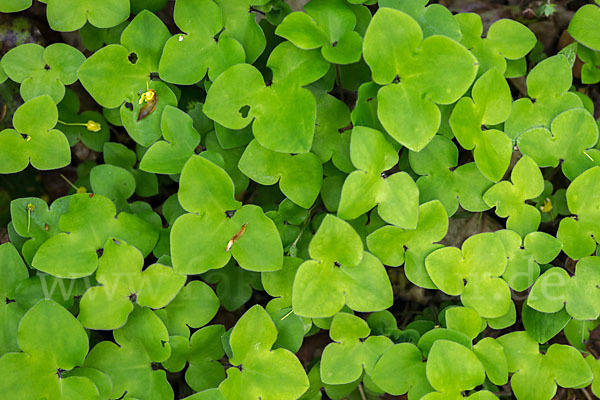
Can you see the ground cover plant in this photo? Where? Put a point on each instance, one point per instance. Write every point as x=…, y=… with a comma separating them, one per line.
x=324, y=199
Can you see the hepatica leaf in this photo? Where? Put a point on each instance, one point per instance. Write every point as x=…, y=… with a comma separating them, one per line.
x=571, y=133
x=505, y=40
x=408, y=66
x=34, y=139
x=10, y=6
x=14, y=271
x=433, y=19
x=300, y=176
x=396, y=196
x=490, y=105
x=535, y=376
x=240, y=24
x=331, y=142
x=352, y=352
x=204, y=238
x=283, y=112
x=525, y=255
x=68, y=111
x=582, y=26
x=481, y=263
x=509, y=198
x=123, y=284
x=52, y=340
x=256, y=378
x=42, y=71
x=579, y=294
x=328, y=25
x=181, y=139
x=117, y=71
x=395, y=246
x=144, y=340
x=86, y=226
x=452, y=367
x=70, y=15
x=548, y=84
x=188, y=56
x=580, y=234
x=344, y=273
x=400, y=370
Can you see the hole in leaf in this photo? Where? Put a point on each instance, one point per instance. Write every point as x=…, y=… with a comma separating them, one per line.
x=334, y=44
x=396, y=79
x=268, y=83
x=99, y=252
x=370, y=99
x=59, y=372
x=153, y=76
x=483, y=127
x=8, y=301
x=129, y=106
x=293, y=154
x=244, y=111
x=133, y=297
x=133, y=58
x=24, y=136
x=337, y=264
x=155, y=366
x=46, y=67
x=230, y=213
x=464, y=281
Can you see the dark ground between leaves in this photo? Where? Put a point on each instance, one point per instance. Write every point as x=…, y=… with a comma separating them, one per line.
x=31, y=26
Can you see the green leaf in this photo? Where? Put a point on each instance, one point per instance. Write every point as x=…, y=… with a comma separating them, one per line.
x=396, y=196
x=181, y=139
x=13, y=271
x=433, y=19
x=441, y=180
x=109, y=75
x=283, y=112
x=327, y=25
x=525, y=255
x=509, y=198
x=194, y=306
x=278, y=284
x=344, y=360
x=481, y=263
x=438, y=60
x=465, y=320
x=258, y=246
x=234, y=285
x=543, y=326
x=570, y=135
x=10, y=6
x=90, y=221
x=579, y=235
x=34, y=139
x=490, y=105
x=452, y=367
x=187, y=57
x=582, y=26
x=143, y=341
x=491, y=355
x=240, y=24
x=506, y=40
x=578, y=294
x=393, y=245
x=257, y=378
x=400, y=370
x=536, y=375
x=50, y=332
x=345, y=274
x=70, y=15
x=43, y=71
x=548, y=83
x=300, y=176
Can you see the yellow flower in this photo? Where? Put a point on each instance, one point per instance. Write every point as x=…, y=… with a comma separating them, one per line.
x=547, y=207
x=93, y=126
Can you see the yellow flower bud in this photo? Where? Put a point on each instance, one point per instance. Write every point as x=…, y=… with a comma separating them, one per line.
x=547, y=207
x=93, y=126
